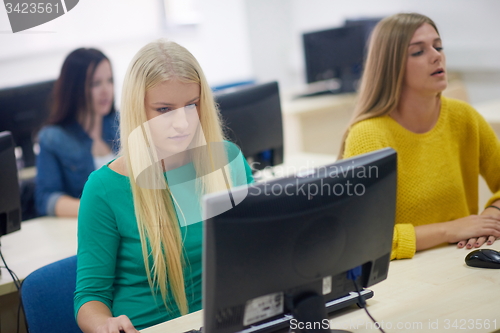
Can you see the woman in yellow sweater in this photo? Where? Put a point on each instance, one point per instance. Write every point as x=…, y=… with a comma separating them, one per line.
x=443, y=145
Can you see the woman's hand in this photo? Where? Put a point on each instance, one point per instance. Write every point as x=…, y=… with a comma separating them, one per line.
x=95, y=317
x=117, y=325
x=457, y=231
x=479, y=241
x=474, y=230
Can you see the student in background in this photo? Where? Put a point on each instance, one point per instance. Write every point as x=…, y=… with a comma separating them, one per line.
x=80, y=134
x=443, y=145
x=139, y=225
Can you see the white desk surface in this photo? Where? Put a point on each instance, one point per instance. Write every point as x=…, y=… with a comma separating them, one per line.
x=433, y=292
x=40, y=242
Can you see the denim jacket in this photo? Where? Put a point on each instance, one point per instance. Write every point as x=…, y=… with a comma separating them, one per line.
x=65, y=161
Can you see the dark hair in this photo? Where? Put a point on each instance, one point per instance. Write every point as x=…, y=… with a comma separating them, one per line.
x=71, y=94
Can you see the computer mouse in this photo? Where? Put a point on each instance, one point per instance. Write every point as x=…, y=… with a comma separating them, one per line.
x=483, y=258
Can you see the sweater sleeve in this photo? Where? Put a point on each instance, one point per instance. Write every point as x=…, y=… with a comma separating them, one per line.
x=364, y=138
x=98, y=241
x=489, y=158
x=404, y=242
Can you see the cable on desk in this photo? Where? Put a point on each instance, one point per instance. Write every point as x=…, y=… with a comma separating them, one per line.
x=362, y=303
x=353, y=275
x=17, y=283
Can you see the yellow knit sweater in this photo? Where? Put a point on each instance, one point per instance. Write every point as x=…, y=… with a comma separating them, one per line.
x=438, y=171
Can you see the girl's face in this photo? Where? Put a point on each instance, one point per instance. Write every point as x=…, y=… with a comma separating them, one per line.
x=101, y=88
x=172, y=113
x=425, y=67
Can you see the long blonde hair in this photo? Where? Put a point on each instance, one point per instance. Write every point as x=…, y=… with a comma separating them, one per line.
x=157, y=221
x=384, y=68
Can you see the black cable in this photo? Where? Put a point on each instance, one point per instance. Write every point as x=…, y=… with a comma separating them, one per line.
x=362, y=303
x=17, y=283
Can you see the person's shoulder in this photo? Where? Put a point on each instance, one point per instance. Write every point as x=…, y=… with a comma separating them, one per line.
x=372, y=127
x=368, y=135
x=104, y=180
x=459, y=110
x=231, y=147
x=97, y=177
x=112, y=118
x=60, y=134
x=456, y=106
x=51, y=133
x=456, y=103
x=118, y=166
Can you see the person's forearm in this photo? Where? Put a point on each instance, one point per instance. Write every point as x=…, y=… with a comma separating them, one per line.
x=492, y=210
x=430, y=235
x=67, y=206
x=92, y=315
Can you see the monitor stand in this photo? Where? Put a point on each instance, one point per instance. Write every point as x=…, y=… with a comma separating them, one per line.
x=310, y=315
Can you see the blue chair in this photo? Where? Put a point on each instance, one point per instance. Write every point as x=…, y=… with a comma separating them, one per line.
x=47, y=298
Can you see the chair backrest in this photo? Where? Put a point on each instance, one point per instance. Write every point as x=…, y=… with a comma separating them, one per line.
x=47, y=298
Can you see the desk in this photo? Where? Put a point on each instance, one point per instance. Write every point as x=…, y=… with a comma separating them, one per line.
x=426, y=293
x=40, y=242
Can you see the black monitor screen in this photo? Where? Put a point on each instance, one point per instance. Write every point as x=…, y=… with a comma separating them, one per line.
x=23, y=110
x=367, y=23
x=295, y=237
x=10, y=202
x=335, y=54
x=252, y=120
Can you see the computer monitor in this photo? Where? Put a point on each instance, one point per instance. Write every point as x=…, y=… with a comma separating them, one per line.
x=10, y=199
x=23, y=110
x=252, y=120
x=292, y=243
x=367, y=23
x=335, y=54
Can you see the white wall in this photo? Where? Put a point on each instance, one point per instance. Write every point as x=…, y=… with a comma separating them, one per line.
x=244, y=39
x=120, y=28
x=470, y=31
